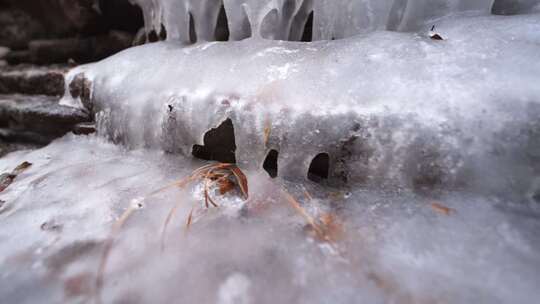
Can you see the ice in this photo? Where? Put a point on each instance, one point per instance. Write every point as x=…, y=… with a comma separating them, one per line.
x=433, y=150
x=395, y=247
x=286, y=19
x=389, y=108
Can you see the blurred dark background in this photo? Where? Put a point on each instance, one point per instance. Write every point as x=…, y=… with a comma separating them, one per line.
x=55, y=31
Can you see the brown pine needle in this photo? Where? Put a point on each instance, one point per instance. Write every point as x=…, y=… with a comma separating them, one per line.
x=107, y=250
x=189, y=219
x=311, y=221
x=267, y=131
x=166, y=224
x=242, y=180
x=440, y=208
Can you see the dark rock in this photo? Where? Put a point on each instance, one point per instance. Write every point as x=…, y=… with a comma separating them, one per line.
x=27, y=79
x=17, y=28
x=6, y=179
x=15, y=140
x=79, y=49
x=121, y=15
x=83, y=15
x=61, y=18
x=18, y=57
x=40, y=114
x=3, y=52
x=84, y=128
x=80, y=87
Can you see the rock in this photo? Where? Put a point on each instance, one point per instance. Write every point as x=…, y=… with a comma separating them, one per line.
x=29, y=79
x=83, y=15
x=121, y=15
x=80, y=87
x=3, y=51
x=40, y=114
x=18, y=57
x=14, y=140
x=84, y=128
x=79, y=49
x=65, y=18
x=17, y=28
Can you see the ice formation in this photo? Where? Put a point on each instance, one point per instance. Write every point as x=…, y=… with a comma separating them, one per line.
x=286, y=19
x=387, y=107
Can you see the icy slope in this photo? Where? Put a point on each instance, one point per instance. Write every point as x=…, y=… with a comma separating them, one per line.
x=388, y=108
x=394, y=247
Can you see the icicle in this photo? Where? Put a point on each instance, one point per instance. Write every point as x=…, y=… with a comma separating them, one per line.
x=417, y=12
x=286, y=19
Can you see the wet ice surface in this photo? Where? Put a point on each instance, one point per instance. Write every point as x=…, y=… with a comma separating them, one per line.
x=395, y=246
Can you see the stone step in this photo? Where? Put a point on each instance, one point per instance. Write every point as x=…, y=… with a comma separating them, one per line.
x=32, y=80
x=39, y=114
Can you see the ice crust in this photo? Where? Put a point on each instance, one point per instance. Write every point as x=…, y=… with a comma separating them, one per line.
x=389, y=108
x=395, y=249
x=286, y=19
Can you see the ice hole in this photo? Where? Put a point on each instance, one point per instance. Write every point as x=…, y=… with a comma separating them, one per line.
x=307, y=35
x=319, y=168
x=271, y=163
x=219, y=144
x=222, y=32
x=163, y=33
x=192, y=32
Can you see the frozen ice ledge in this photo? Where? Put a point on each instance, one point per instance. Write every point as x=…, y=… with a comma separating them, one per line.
x=384, y=109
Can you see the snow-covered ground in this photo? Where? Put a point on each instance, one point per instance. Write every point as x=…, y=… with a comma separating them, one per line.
x=393, y=246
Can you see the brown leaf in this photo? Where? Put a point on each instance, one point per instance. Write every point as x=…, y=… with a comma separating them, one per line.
x=225, y=186
x=441, y=209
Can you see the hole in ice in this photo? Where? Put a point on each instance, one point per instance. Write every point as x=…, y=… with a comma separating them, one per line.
x=307, y=35
x=192, y=32
x=270, y=164
x=219, y=144
x=153, y=36
x=319, y=168
x=163, y=33
x=222, y=28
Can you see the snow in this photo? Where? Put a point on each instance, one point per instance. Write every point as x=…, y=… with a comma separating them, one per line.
x=395, y=246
